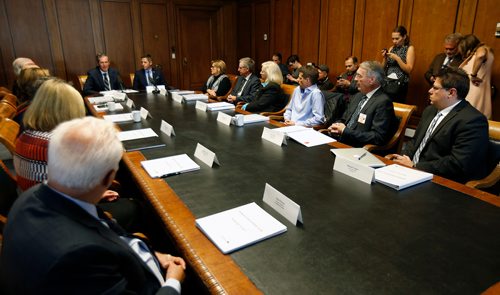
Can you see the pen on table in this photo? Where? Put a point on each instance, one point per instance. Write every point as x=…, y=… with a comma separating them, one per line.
x=360, y=157
x=170, y=174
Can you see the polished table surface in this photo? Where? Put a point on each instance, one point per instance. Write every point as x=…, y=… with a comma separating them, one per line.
x=356, y=238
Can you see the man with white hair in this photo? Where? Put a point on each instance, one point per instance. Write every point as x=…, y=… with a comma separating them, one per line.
x=18, y=65
x=57, y=241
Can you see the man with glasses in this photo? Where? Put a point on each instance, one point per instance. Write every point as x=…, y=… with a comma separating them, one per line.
x=450, y=57
x=451, y=139
x=247, y=85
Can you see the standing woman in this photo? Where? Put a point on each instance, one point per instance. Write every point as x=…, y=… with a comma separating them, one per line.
x=478, y=61
x=218, y=83
x=398, y=62
x=270, y=97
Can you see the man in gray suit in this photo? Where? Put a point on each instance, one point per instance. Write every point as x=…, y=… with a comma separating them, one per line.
x=248, y=83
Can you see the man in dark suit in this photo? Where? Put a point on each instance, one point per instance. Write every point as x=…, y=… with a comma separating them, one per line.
x=247, y=85
x=451, y=139
x=57, y=241
x=369, y=118
x=148, y=76
x=102, y=78
x=450, y=57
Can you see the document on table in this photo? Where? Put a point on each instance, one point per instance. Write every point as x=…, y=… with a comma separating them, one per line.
x=400, y=177
x=239, y=227
x=290, y=129
x=100, y=99
x=168, y=166
x=310, y=137
x=118, y=118
x=103, y=107
x=254, y=118
x=218, y=106
x=359, y=155
x=194, y=96
x=136, y=134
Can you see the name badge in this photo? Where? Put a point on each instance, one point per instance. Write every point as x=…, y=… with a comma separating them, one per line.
x=362, y=118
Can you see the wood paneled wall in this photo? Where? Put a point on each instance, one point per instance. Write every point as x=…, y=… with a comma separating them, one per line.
x=327, y=31
x=64, y=36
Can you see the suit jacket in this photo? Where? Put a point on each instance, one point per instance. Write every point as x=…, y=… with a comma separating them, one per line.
x=380, y=122
x=140, y=80
x=268, y=99
x=437, y=63
x=458, y=146
x=53, y=246
x=325, y=84
x=251, y=87
x=95, y=82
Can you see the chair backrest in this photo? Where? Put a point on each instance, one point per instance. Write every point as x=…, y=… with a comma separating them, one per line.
x=82, y=79
x=7, y=109
x=403, y=113
x=132, y=77
x=8, y=134
x=287, y=93
x=494, y=130
x=334, y=106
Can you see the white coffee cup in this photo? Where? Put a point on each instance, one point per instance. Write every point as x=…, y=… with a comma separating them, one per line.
x=136, y=116
x=111, y=106
x=239, y=120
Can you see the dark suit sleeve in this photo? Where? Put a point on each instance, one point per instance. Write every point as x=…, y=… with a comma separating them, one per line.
x=380, y=129
x=92, y=270
x=432, y=69
x=250, y=90
x=115, y=79
x=469, y=141
x=91, y=85
x=224, y=87
x=161, y=79
x=265, y=98
x=137, y=85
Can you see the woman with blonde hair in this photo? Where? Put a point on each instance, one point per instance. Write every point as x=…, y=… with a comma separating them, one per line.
x=218, y=83
x=27, y=83
x=270, y=97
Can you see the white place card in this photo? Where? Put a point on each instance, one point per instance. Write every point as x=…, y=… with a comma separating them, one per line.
x=205, y=155
x=163, y=92
x=144, y=113
x=282, y=204
x=354, y=169
x=200, y=105
x=224, y=118
x=150, y=89
x=167, y=128
x=177, y=97
x=129, y=103
x=278, y=138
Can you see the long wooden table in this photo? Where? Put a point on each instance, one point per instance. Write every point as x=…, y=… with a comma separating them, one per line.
x=434, y=238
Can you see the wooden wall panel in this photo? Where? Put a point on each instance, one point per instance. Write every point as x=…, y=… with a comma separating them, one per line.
x=118, y=37
x=28, y=25
x=261, y=27
x=78, y=53
x=380, y=19
x=281, y=27
x=309, y=27
x=430, y=23
x=339, y=34
x=245, y=31
x=154, y=28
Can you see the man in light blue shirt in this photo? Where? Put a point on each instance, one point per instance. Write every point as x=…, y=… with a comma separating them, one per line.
x=306, y=107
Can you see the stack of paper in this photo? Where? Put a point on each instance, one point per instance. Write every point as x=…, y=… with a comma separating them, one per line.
x=236, y=228
x=103, y=107
x=118, y=118
x=169, y=166
x=100, y=99
x=140, y=139
x=194, y=96
x=218, y=106
x=359, y=155
x=177, y=95
x=254, y=118
x=399, y=177
x=310, y=137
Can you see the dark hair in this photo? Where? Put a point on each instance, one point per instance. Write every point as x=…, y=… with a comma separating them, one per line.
x=278, y=54
x=452, y=77
x=354, y=59
x=309, y=72
x=402, y=31
x=468, y=44
x=99, y=55
x=148, y=56
x=292, y=58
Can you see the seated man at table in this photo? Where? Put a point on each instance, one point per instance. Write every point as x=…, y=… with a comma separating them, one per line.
x=247, y=85
x=148, y=76
x=57, y=241
x=306, y=107
x=369, y=118
x=451, y=139
x=102, y=78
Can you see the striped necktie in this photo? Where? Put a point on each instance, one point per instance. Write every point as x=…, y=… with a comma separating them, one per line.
x=416, y=156
x=106, y=81
x=354, y=117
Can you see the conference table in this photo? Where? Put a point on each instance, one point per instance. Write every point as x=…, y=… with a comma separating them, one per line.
x=438, y=237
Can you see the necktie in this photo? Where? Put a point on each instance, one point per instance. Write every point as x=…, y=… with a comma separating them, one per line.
x=242, y=85
x=447, y=62
x=416, y=156
x=354, y=117
x=106, y=81
x=150, y=78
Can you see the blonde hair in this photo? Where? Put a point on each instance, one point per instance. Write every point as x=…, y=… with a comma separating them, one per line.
x=273, y=72
x=28, y=82
x=54, y=102
x=219, y=64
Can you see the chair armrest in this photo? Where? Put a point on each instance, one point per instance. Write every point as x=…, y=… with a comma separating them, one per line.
x=486, y=182
x=370, y=147
x=276, y=118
